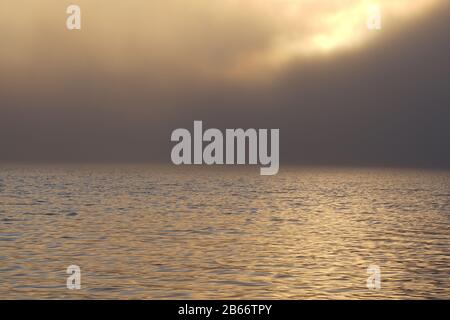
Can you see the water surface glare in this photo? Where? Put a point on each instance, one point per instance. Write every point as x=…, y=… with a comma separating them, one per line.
x=193, y=233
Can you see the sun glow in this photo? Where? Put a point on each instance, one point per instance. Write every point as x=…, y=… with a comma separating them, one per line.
x=175, y=39
x=311, y=28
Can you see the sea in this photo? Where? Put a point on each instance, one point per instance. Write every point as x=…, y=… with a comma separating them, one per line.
x=167, y=232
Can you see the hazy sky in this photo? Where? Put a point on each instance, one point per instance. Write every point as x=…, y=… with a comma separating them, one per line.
x=137, y=70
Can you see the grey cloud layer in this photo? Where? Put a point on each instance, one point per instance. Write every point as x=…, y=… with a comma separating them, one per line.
x=387, y=103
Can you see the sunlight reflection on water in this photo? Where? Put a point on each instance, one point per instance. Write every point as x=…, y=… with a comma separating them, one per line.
x=192, y=233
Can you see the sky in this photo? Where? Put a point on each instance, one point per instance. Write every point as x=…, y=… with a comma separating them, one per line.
x=137, y=70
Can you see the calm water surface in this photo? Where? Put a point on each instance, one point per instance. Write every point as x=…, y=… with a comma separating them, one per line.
x=162, y=232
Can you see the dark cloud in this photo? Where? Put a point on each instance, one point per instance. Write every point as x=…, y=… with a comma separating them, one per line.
x=385, y=104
